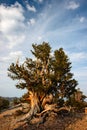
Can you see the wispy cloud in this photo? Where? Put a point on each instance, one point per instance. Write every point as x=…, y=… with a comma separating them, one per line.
x=15, y=40
x=73, y=5
x=31, y=21
x=11, y=56
x=40, y=1
x=82, y=19
x=31, y=8
x=77, y=56
x=81, y=72
x=39, y=38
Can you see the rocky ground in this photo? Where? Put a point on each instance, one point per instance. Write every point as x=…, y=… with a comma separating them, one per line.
x=74, y=121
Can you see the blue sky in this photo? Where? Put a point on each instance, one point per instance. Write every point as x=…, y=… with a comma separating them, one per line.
x=62, y=23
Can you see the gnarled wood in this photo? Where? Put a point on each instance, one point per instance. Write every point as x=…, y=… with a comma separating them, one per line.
x=34, y=106
x=47, y=100
x=64, y=108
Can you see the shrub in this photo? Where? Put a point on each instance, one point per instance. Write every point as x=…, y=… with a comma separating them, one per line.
x=16, y=101
x=4, y=103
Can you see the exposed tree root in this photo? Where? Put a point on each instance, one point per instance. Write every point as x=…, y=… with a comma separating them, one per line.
x=47, y=108
x=34, y=116
x=37, y=118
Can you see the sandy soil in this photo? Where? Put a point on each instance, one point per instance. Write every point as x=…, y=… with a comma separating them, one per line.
x=76, y=121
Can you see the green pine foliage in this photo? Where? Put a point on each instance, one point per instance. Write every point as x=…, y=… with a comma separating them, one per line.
x=47, y=73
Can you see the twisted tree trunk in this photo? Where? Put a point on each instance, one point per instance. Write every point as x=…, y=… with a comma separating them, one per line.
x=34, y=106
x=35, y=115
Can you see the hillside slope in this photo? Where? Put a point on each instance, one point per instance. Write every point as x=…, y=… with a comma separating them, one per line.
x=77, y=121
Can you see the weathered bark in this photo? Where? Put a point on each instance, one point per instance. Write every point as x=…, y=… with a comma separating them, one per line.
x=34, y=106
x=47, y=107
x=51, y=107
x=64, y=108
x=47, y=100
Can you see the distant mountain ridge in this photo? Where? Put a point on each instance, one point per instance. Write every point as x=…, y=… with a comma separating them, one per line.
x=10, y=99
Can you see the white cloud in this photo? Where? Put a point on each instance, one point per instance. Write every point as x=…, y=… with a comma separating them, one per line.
x=15, y=54
x=11, y=25
x=9, y=41
x=10, y=17
x=40, y=38
x=78, y=56
x=73, y=5
x=82, y=19
x=31, y=21
x=31, y=8
x=11, y=56
x=40, y=0
x=81, y=72
x=15, y=40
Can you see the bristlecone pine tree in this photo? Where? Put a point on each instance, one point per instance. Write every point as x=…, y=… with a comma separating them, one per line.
x=47, y=78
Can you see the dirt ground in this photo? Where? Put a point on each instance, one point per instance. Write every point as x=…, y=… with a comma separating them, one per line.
x=75, y=121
